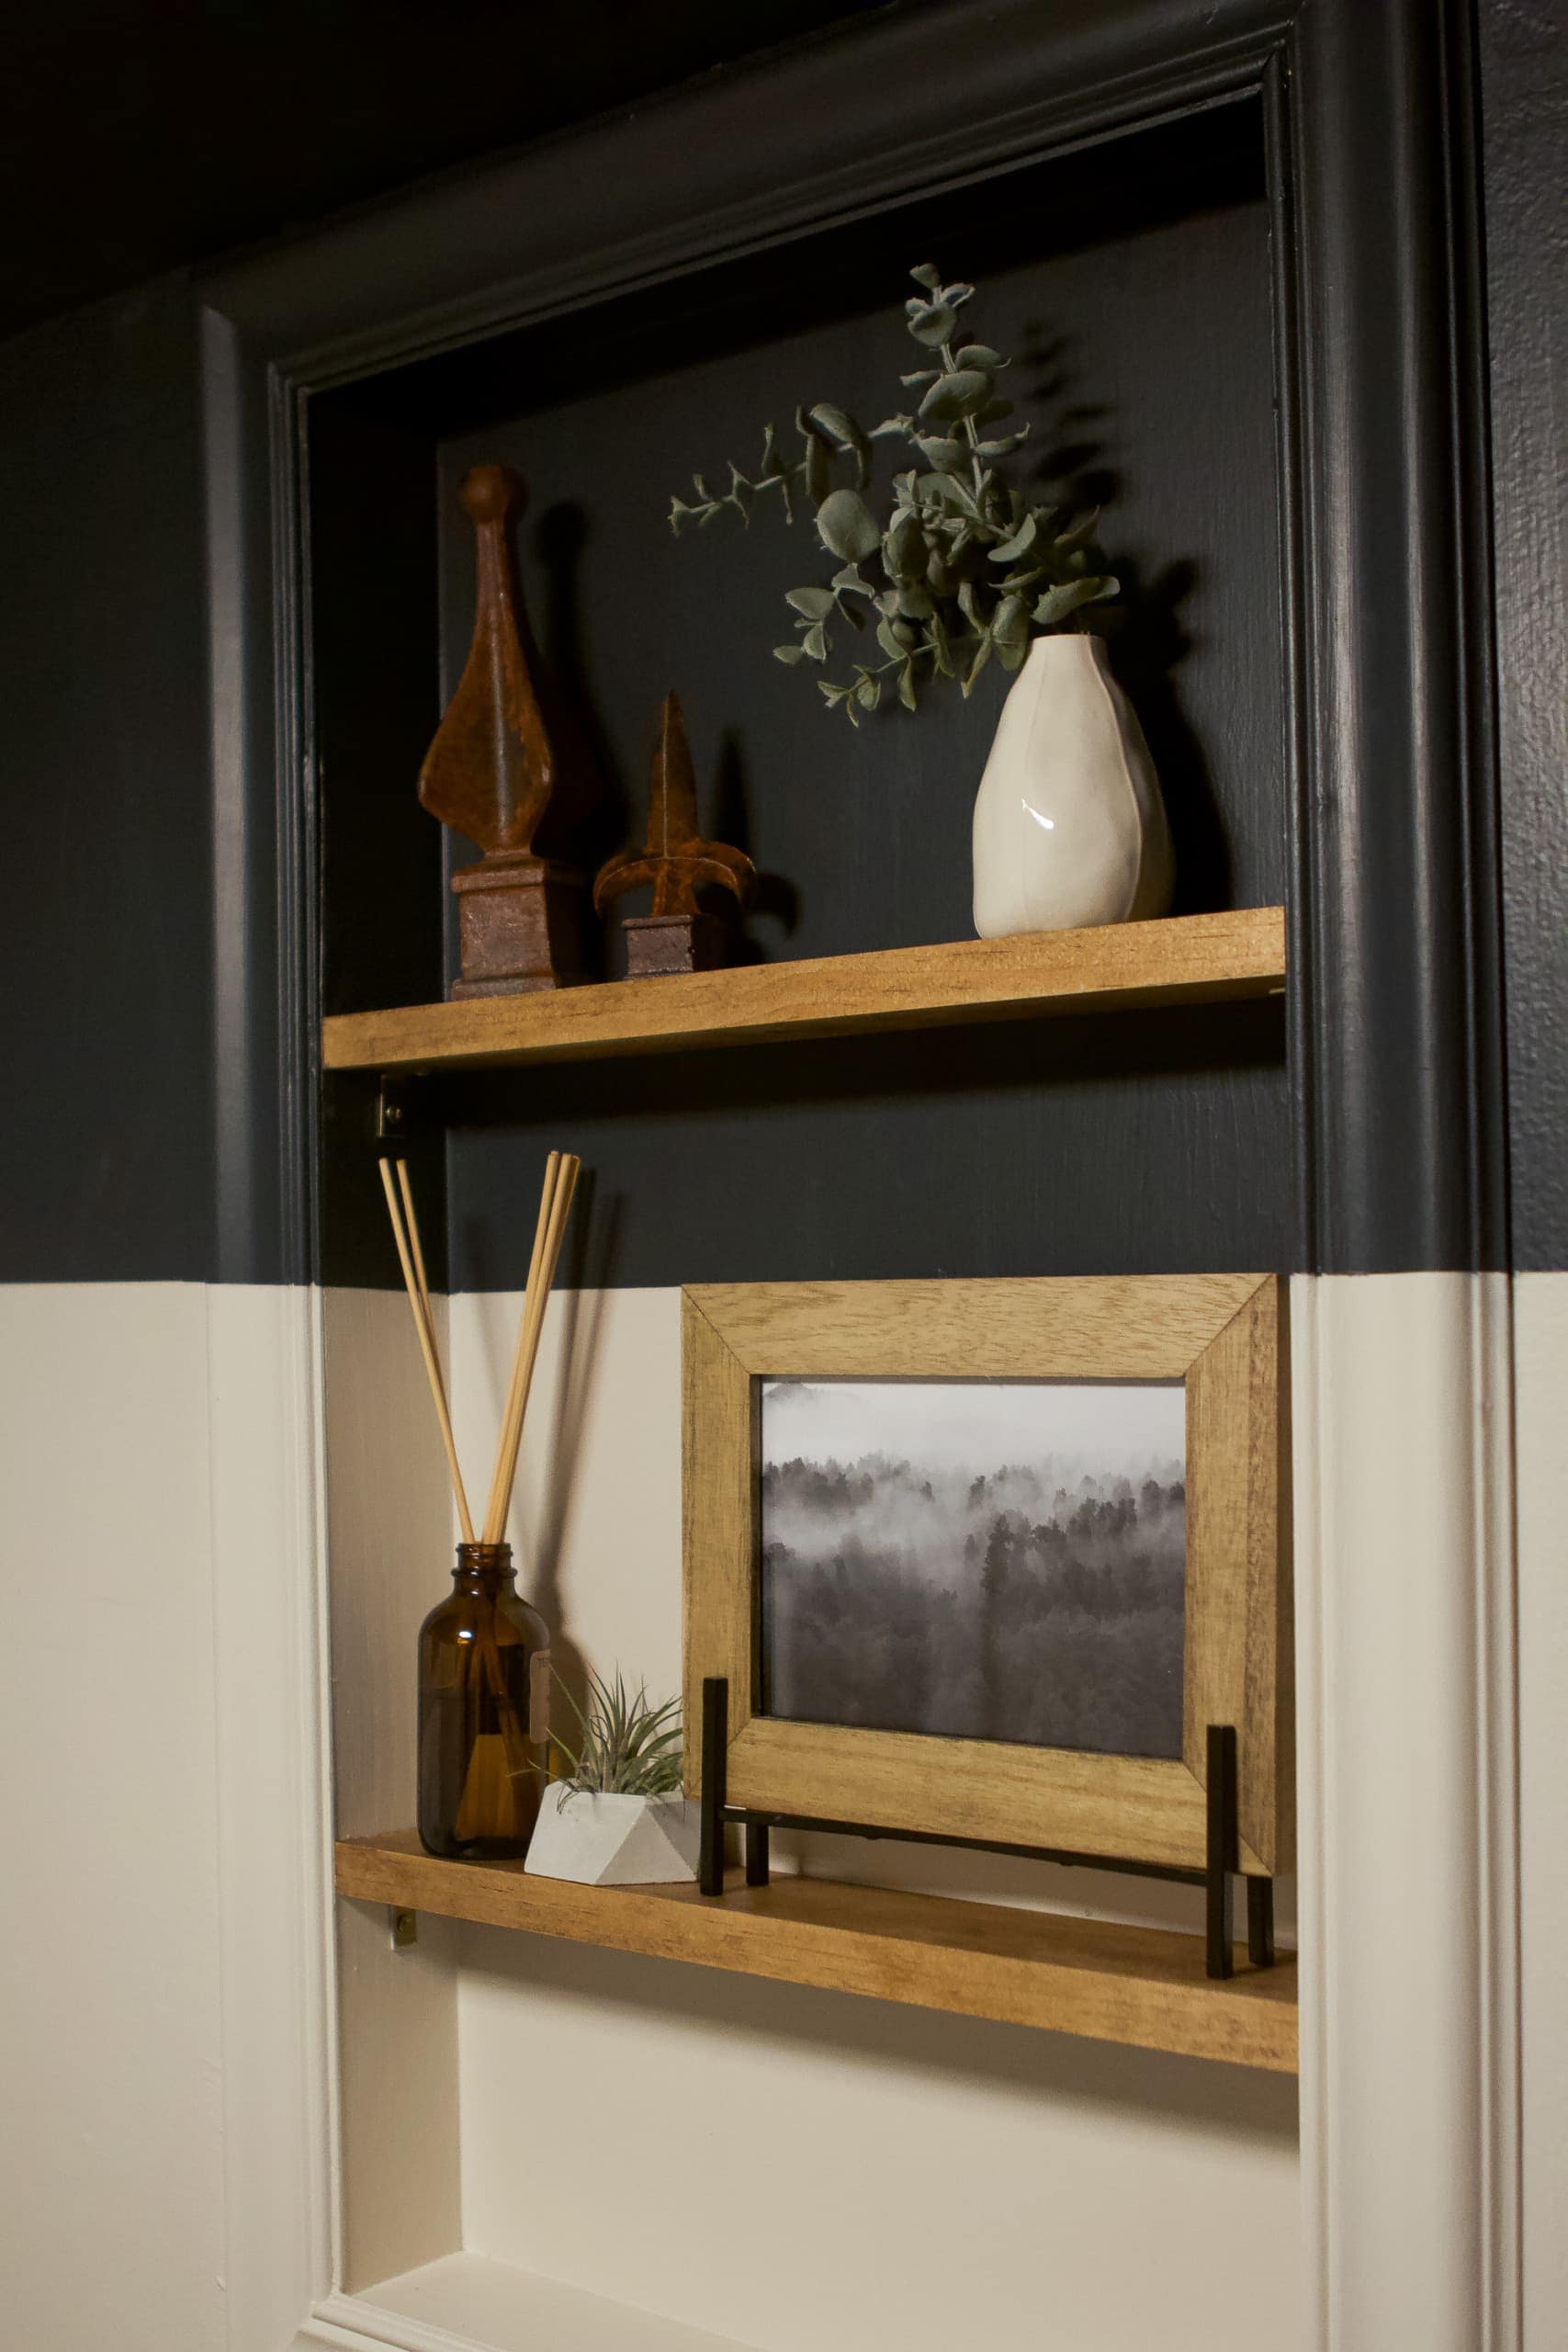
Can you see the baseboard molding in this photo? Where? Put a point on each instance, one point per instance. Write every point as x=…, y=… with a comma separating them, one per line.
x=469, y=2303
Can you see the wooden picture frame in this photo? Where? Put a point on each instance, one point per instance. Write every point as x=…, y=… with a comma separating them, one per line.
x=1220, y=1334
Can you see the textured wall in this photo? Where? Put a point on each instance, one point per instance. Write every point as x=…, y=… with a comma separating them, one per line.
x=105, y=908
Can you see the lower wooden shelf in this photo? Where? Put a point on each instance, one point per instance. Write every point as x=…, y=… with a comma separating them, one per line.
x=1142, y=1985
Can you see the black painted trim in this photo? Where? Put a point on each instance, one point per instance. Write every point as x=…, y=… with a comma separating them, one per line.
x=1398, y=1059
x=1396, y=943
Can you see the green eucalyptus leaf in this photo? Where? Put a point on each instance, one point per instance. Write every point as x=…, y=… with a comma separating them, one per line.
x=1022, y=541
x=907, y=685
x=814, y=603
x=931, y=323
x=1004, y=446
x=887, y=637
x=957, y=294
x=834, y=694
x=847, y=527
x=868, y=694
x=814, y=644
x=837, y=423
x=915, y=603
x=945, y=457
x=891, y=426
x=1010, y=626
x=981, y=658
x=979, y=355
x=904, y=547
x=940, y=645
x=819, y=471
x=841, y=427
x=847, y=583
x=1068, y=595
x=921, y=376
x=926, y=274
x=790, y=653
x=994, y=412
x=962, y=393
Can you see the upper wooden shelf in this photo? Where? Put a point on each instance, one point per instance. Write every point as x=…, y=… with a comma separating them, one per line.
x=1187, y=959
x=1142, y=1985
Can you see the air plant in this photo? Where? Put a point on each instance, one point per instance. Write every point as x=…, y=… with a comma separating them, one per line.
x=627, y=1746
x=962, y=567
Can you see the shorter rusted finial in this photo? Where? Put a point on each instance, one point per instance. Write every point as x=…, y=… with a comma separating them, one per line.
x=490, y=774
x=678, y=935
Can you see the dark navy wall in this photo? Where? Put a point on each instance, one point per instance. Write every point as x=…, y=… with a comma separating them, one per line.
x=1121, y=1143
x=105, y=901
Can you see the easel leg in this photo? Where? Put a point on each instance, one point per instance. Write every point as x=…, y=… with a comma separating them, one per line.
x=756, y=1853
x=1223, y=1847
x=715, y=1742
x=1260, y=1922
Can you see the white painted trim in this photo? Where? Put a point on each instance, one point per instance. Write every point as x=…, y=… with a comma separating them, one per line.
x=273, y=1808
x=1408, y=1835
x=349, y=2321
x=1540, y=1374
x=1409, y=1895
x=461, y=2301
x=533, y=2308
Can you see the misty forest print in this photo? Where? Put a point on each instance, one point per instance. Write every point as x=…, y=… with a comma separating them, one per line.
x=990, y=1560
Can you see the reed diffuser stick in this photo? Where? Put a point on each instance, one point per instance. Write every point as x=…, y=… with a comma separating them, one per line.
x=555, y=1206
x=419, y=1307
x=541, y=1227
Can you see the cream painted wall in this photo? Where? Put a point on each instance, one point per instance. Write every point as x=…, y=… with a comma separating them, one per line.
x=171, y=2188
x=111, y=2154
x=1540, y=1338
x=893, y=2176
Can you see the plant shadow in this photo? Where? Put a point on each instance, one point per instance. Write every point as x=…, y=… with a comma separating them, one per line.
x=1143, y=628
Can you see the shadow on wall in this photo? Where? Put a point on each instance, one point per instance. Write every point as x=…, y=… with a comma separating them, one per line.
x=1016, y=2061
x=1143, y=628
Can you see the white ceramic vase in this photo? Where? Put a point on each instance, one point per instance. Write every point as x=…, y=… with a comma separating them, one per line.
x=603, y=1840
x=1069, y=826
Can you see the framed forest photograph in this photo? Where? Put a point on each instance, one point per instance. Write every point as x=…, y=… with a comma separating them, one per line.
x=985, y=1559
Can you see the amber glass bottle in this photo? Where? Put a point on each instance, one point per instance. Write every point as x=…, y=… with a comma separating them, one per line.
x=484, y=1676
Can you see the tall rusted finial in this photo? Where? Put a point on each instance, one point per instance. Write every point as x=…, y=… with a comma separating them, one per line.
x=490, y=774
x=677, y=936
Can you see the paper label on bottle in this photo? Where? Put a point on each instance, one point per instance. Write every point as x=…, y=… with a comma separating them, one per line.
x=539, y=1698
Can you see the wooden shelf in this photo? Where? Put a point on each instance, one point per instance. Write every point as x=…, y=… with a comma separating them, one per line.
x=1142, y=1985
x=1187, y=959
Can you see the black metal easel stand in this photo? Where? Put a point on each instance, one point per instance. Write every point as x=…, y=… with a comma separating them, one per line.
x=1220, y=1866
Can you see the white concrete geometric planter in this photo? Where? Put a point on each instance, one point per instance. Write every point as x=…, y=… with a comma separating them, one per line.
x=600, y=1840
